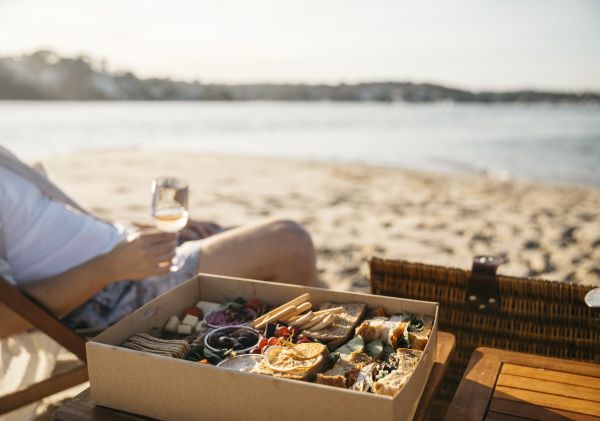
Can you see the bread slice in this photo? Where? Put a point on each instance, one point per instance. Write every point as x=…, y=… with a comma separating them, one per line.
x=342, y=327
x=371, y=329
x=418, y=340
x=345, y=371
x=358, y=357
x=340, y=375
x=406, y=361
x=388, y=330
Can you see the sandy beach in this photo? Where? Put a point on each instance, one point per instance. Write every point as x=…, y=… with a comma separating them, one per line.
x=354, y=212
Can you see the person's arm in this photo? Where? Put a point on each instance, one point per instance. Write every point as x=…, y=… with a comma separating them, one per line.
x=143, y=254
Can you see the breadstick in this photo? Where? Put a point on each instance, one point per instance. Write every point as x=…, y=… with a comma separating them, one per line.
x=296, y=301
x=315, y=321
x=334, y=310
x=326, y=322
x=301, y=320
x=299, y=310
x=282, y=313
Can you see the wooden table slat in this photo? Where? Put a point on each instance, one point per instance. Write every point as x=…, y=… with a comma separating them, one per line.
x=475, y=389
x=530, y=387
x=551, y=375
x=545, y=386
x=551, y=401
x=534, y=412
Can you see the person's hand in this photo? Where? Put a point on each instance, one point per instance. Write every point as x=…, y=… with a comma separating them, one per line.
x=197, y=230
x=143, y=254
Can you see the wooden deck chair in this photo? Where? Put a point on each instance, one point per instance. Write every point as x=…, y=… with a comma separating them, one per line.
x=40, y=317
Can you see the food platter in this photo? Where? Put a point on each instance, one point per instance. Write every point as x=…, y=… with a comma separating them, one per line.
x=334, y=344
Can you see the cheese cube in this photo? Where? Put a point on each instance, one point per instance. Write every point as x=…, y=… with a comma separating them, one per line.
x=171, y=325
x=184, y=329
x=189, y=320
x=208, y=307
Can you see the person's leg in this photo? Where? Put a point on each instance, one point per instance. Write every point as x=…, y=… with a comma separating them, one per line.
x=273, y=250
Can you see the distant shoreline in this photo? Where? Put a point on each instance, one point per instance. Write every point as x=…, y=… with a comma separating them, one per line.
x=44, y=75
x=592, y=104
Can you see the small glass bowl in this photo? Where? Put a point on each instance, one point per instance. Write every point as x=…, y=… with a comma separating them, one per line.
x=243, y=363
x=211, y=342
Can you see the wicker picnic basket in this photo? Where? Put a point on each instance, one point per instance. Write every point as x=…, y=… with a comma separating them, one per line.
x=532, y=315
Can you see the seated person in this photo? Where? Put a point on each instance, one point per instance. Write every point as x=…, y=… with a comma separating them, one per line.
x=92, y=272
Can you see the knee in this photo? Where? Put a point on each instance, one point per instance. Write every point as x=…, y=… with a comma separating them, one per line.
x=293, y=236
x=298, y=259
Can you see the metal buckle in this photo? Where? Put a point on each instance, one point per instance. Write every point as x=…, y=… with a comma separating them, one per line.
x=483, y=291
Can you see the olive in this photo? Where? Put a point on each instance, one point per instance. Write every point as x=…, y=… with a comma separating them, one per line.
x=228, y=342
x=245, y=341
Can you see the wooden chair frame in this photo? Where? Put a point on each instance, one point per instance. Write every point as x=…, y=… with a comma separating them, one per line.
x=40, y=317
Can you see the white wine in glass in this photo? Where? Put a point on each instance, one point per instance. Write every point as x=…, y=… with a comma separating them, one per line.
x=170, y=219
x=170, y=208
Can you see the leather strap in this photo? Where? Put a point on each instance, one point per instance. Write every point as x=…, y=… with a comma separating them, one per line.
x=483, y=291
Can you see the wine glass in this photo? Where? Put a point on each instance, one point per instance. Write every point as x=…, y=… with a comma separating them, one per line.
x=170, y=208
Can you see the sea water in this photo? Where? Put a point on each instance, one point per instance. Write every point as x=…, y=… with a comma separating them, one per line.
x=554, y=143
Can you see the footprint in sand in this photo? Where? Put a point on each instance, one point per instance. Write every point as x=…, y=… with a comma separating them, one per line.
x=587, y=217
x=397, y=210
x=273, y=202
x=361, y=284
x=121, y=190
x=531, y=244
x=350, y=270
x=482, y=238
x=567, y=237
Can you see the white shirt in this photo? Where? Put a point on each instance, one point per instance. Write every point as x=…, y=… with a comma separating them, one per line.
x=43, y=237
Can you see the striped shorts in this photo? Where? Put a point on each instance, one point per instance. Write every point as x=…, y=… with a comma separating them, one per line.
x=119, y=299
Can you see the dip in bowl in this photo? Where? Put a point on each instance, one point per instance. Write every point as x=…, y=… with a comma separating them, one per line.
x=230, y=317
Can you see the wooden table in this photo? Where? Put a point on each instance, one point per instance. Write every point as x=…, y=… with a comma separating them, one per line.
x=81, y=407
x=504, y=385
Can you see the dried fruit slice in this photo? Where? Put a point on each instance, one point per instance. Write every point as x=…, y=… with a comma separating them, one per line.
x=283, y=359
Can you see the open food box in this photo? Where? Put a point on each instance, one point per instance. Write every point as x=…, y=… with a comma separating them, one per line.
x=221, y=348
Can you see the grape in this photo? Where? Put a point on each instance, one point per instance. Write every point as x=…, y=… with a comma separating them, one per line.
x=263, y=343
x=282, y=331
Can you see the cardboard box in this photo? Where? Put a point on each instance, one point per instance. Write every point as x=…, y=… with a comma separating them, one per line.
x=174, y=389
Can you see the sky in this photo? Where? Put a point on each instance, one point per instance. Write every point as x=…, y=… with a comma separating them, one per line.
x=483, y=44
